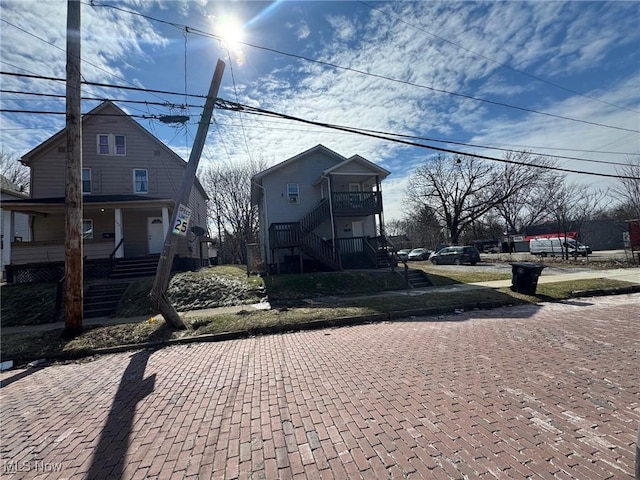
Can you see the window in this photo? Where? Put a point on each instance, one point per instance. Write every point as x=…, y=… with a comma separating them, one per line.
x=110, y=144
x=87, y=228
x=293, y=192
x=120, y=145
x=140, y=181
x=103, y=144
x=86, y=180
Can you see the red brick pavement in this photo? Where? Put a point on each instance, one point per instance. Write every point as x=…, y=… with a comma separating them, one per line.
x=548, y=391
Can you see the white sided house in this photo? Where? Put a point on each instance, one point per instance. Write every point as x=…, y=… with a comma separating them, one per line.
x=320, y=210
x=13, y=228
x=129, y=184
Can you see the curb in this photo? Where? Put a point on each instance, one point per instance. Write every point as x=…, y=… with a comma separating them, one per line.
x=436, y=312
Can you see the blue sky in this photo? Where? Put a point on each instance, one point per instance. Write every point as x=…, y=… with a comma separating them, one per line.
x=579, y=60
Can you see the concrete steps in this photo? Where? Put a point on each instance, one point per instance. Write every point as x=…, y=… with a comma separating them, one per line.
x=418, y=279
x=135, y=267
x=101, y=299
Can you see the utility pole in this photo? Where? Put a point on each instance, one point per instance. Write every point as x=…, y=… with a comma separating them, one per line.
x=158, y=292
x=73, y=189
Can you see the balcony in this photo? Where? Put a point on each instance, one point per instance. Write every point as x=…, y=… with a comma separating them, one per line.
x=356, y=204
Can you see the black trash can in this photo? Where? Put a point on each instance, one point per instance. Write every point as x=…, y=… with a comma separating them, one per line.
x=524, y=277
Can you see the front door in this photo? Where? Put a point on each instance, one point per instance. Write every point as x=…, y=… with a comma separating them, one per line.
x=357, y=229
x=155, y=234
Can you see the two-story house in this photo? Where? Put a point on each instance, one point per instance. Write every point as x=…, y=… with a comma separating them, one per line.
x=129, y=184
x=320, y=207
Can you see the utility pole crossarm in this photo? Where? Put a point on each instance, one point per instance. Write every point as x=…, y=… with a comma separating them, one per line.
x=158, y=293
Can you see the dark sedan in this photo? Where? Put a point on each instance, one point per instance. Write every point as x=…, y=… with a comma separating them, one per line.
x=456, y=256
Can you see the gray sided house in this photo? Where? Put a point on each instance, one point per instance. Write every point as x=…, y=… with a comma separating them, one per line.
x=129, y=183
x=320, y=210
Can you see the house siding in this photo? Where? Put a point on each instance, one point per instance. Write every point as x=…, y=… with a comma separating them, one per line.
x=113, y=175
x=304, y=173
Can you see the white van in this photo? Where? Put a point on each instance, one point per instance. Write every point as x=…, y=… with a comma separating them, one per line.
x=555, y=246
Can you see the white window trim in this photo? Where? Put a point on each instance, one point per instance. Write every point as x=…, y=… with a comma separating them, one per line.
x=111, y=144
x=293, y=198
x=134, y=180
x=90, y=181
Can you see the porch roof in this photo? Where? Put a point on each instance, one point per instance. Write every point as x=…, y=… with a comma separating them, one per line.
x=345, y=168
x=56, y=204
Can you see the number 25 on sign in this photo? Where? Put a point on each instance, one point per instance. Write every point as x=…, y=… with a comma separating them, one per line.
x=182, y=220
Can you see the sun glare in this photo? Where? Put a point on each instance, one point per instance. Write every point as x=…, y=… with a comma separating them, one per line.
x=230, y=32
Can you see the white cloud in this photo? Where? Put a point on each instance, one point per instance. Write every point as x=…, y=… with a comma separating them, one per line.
x=570, y=43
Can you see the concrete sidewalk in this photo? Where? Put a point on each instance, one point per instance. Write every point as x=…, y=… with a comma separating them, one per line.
x=631, y=275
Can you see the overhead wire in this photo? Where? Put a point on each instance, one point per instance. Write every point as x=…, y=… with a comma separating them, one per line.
x=387, y=135
x=235, y=91
x=197, y=31
x=259, y=111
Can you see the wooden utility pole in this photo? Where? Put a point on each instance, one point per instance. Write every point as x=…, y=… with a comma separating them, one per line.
x=158, y=292
x=73, y=189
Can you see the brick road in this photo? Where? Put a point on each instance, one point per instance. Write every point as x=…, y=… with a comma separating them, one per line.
x=550, y=391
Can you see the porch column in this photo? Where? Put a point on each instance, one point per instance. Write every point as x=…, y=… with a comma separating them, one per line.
x=165, y=221
x=7, y=237
x=336, y=249
x=381, y=214
x=118, y=232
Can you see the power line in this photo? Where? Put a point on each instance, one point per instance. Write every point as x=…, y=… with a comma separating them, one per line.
x=64, y=50
x=225, y=105
x=514, y=148
x=105, y=85
x=102, y=99
x=504, y=65
x=373, y=75
x=385, y=135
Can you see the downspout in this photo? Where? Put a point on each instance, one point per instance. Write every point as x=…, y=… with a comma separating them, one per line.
x=266, y=221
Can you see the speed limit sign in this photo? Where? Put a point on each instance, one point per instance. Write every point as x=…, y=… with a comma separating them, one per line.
x=182, y=220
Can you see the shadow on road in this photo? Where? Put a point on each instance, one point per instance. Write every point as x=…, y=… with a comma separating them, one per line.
x=109, y=455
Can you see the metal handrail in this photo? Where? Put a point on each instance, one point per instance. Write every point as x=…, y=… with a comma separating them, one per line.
x=112, y=254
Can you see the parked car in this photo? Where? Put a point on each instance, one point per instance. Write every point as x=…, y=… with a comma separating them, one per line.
x=419, y=254
x=456, y=256
x=404, y=254
x=556, y=246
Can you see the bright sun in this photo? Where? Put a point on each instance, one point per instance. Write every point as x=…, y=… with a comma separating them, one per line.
x=230, y=32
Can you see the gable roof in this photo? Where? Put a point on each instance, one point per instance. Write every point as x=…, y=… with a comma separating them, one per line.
x=101, y=109
x=340, y=161
x=318, y=148
x=363, y=161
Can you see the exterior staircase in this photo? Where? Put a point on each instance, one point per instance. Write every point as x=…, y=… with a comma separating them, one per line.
x=101, y=299
x=418, y=279
x=312, y=244
x=135, y=267
x=383, y=259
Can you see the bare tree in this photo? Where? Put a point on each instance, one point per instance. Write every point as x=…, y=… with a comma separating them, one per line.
x=421, y=226
x=14, y=172
x=461, y=189
x=572, y=205
x=229, y=208
x=533, y=186
x=628, y=189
